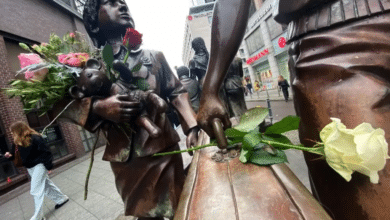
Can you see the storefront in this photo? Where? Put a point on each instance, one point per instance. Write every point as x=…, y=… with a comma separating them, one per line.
x=281, y=55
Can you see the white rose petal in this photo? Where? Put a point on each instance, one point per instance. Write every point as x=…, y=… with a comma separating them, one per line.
x=363, y=149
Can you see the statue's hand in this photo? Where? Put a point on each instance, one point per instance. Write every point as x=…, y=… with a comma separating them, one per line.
x=192, y=138
x=210, y=109
x=117, y=108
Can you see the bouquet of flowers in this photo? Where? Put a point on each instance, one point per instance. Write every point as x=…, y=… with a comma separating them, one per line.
x=49, y=70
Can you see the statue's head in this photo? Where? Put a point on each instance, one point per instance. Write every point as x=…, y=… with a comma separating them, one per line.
x=104, y=17
x=92, y=81
x=198, y=44
x=183, y=71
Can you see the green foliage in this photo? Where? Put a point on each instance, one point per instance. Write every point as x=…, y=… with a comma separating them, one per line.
x=264, y=158
x=288, y=123
x=41, y=95
x=251, y=119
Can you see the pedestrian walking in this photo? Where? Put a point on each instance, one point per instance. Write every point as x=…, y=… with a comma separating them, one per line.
x=283, y=85
x=250, y=88
x=38, y=160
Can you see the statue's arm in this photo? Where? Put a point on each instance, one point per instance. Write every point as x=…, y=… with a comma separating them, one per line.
x=177, y=94
x=229, y=22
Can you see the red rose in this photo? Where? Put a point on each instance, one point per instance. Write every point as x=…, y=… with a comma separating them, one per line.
x=132, y=38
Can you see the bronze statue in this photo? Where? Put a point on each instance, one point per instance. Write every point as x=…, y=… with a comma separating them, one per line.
x=198, y=64
x=338, y=65
x=234, y=89
x=149, y=186
x=93, y=81
x=339, y=52
x=191, y=85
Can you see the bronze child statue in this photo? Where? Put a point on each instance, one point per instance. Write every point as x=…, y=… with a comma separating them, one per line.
x=94, y=82
x=150, y=187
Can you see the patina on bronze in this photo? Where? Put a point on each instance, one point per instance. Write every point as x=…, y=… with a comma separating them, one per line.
x=149, y=186
x=339, y=64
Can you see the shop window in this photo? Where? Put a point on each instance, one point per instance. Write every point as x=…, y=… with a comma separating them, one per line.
x=53, y=134
x=254, y=41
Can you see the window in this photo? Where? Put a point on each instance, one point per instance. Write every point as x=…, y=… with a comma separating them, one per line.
x=242, y=53
x=88, y=139
x=53, y=133
x=254, y=41
x=252, y=9
x=80, y=5
x=274, y=28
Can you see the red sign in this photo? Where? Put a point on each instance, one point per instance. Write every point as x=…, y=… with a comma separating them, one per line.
x=282, y=42
x=189, y=17
x=258, y=56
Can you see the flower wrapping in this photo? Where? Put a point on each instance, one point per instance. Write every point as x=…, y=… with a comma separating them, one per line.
x=362, y=149
x=27, y=59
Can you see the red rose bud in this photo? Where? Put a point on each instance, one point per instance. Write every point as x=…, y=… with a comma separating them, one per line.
x=132, y=38
x=9, y=180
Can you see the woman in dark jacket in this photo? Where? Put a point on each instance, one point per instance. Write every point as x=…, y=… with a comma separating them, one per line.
x=283, y=85
x=37, y=158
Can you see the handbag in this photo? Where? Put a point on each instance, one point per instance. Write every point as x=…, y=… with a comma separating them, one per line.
x=18, y=159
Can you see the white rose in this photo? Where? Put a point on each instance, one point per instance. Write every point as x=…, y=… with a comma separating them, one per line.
x=363, y=149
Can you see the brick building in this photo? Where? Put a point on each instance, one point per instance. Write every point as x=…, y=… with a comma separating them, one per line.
x=31, y=22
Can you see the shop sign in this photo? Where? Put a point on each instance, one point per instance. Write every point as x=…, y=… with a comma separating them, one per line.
x=258, y=56
x=279, y=43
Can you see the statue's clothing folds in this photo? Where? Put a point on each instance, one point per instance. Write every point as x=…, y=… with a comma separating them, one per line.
x=339, y=65
x=149, y=186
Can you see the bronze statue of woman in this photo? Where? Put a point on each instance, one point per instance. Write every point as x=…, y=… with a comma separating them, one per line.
x=149, y=186
x=339, y=66
x=198, y=64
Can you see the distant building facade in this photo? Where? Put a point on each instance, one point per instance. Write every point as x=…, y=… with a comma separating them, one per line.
x=31, y=22
x=264, y=46
x=198, y=24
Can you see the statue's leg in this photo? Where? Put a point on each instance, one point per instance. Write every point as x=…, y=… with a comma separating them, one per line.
x=344, y=72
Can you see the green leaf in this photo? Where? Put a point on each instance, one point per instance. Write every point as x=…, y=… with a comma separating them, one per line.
x=136, y=68
x=251, y=119
x=24, y=46
x=251, y=140
x=277, y=138
x=245, y=155
x=288, y=123
x=264, y=158
x=108, y=55
x=234, y=133
x=142, y=84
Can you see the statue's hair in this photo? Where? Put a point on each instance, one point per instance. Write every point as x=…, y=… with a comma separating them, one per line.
x=183, y=71
x=198, y=44
x=91, y=21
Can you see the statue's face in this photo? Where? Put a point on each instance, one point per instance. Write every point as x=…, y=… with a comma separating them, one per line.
x=114, y=14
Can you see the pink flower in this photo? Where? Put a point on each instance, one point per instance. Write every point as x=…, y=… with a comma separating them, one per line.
x=27, y=59
x=72, y=35
x=28, y=75
x=73, y=59
x=34, y=46
x=44, y=44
